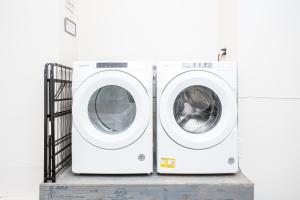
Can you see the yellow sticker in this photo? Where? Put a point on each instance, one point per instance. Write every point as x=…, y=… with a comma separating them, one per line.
x=167, y=162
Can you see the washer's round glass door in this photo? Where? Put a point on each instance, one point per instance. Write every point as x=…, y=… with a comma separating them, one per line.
x=197, y=109
x=111, y=109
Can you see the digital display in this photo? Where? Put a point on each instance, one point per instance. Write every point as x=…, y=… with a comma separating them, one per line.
x=197, y=65
x=112, y=65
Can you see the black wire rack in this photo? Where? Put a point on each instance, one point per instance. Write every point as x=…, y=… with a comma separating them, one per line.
x=57, y=119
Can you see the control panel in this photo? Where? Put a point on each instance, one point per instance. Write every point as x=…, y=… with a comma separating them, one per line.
x=197, y=65
x=112, y=65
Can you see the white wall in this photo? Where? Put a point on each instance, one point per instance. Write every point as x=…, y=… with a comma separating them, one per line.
x=269, y=86
x=268, y=37
x=68, y=45
x=143, y=29
x=227, y=27
x=31, y=34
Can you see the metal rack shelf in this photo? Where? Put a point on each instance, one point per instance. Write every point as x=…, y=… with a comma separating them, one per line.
x=57, y=119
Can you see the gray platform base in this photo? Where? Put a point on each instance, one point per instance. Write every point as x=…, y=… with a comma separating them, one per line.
x=145, y=187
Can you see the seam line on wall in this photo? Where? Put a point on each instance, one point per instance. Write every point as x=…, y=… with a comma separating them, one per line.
x=275, y=98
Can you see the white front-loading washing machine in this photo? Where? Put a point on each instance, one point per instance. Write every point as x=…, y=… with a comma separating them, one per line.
x=197, y=117
x=112, y=118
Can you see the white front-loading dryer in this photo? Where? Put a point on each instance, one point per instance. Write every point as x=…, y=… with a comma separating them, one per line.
x=197, y=117
x=112, y=118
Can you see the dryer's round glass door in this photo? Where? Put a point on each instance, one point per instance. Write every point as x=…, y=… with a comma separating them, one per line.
x=111, y=109
x=197, y=109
